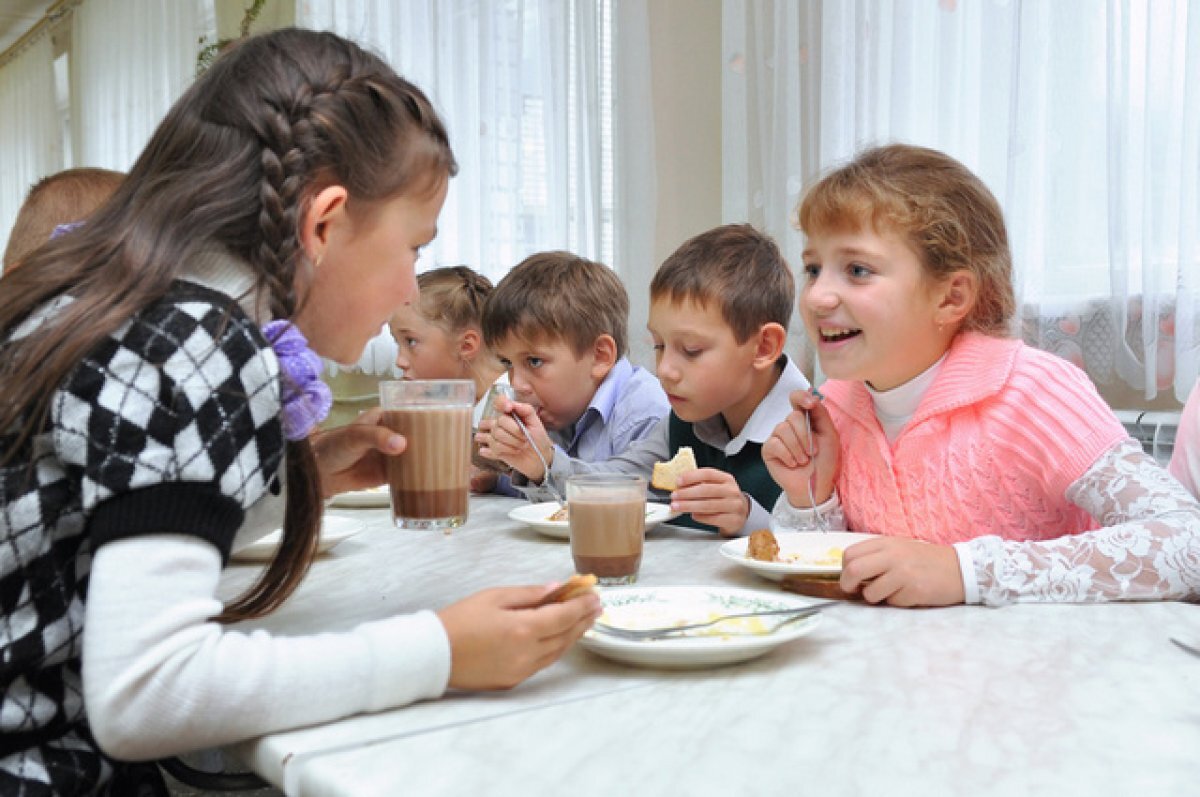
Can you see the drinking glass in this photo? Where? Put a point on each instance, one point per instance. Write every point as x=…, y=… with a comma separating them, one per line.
x=430, y=482
x=607, y=518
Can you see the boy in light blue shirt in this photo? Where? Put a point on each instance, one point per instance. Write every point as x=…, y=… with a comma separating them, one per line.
x=559, y=324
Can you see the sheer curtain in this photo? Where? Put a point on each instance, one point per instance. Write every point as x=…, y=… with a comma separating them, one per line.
x=130, y=60
x=29, y=132
x=540, y=97
x=1083, y=118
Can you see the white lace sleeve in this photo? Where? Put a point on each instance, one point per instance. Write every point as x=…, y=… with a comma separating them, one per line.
x=785, y=517
x=1148, y=549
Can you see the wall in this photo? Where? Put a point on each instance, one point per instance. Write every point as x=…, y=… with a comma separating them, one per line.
x=685, y=46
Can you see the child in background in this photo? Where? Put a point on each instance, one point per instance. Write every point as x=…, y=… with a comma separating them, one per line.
x=560, y=324
x=719, y=312
x=153, y=363
x=440, y=336
x=1185, y=458
x=988, y=465
x=65, y=198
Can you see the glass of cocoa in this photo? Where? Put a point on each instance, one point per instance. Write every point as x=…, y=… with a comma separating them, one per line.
x=607, y=519
x=430, y=481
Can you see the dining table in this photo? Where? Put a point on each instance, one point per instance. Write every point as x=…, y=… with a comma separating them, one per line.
x=1024, y=699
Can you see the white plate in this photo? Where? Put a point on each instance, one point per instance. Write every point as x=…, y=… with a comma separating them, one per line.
x=334, y=529
x=363, y=499
x=729, y=642
x=809, y=553
x=536, y=516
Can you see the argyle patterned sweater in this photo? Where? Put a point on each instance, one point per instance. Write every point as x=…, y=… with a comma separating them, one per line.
x=170, y=423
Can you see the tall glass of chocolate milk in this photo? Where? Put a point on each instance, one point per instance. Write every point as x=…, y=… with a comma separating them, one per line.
x=429, y=482
x=607, y=518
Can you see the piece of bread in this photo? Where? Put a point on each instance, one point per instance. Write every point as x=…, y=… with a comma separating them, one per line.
x=562, y=514
x=573, y=587
x=762, y=546
x=666, y=474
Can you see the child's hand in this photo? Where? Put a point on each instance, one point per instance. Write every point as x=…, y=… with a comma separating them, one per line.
x=505, y=441
x=483, y=481
x=712, y=496
x=496, y=643
x=787, y=456
x=352, y=457
x=903, y=572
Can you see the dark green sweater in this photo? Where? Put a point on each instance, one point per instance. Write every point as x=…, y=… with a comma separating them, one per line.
x=746, y=466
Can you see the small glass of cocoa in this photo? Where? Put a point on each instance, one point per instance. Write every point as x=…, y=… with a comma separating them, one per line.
x=607, y=518
x=430, y=481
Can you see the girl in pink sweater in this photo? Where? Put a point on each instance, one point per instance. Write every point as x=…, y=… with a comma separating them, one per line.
x=992, y=471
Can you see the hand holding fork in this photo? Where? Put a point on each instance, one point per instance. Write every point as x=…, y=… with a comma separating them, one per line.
x=802, y=454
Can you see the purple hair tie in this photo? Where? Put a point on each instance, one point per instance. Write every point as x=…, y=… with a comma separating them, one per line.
x=306, y=398
x=62, y=229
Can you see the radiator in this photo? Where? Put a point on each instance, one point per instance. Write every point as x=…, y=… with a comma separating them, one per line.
x=1154, y=430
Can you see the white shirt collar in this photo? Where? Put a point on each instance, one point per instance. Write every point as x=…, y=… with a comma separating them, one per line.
x=774, y=407
x=894, y=408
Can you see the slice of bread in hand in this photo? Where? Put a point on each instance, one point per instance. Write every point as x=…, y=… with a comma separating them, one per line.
x=666, y=474
x=573, y=587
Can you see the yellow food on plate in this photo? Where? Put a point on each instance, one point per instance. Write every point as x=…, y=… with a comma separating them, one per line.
x=832, y=557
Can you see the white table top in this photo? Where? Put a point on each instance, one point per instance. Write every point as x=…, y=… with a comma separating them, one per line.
x=1050, y=699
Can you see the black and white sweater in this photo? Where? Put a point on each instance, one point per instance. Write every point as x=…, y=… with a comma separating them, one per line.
x=160, y=453
x=170, y=423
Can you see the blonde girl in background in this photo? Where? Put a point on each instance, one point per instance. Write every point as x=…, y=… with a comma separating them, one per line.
x=159, y=383
x=440, y=336
x=992, y=471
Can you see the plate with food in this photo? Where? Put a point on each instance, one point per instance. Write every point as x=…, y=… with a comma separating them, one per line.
x=371, y=498
x=775, y=555
x=727, y=642
x=334, y=529
x=551, y=520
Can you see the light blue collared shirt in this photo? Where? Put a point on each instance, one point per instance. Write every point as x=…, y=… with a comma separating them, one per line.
x=625, y=408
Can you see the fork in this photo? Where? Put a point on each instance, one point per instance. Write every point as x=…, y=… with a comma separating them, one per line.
x=546, y=480
x=1184, y=646
x=822, y=523
x=795, y=613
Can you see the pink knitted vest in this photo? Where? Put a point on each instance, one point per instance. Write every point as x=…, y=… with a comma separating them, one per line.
x=992, y=448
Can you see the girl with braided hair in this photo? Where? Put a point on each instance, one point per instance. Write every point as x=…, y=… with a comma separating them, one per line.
x=159, y=381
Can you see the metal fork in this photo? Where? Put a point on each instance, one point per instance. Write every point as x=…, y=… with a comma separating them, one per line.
x=1184, y=646
x=796, y=613
x=822, y=523
x=546, y=480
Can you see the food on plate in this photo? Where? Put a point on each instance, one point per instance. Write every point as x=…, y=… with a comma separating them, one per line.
x=573, y=587
x=564, y=514
x=832, y=557
x=762, y=546
x=666, y=474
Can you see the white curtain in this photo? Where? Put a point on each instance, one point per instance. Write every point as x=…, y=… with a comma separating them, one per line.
x=130, y=60
x=1083, y=117
x=539, y=102
x=29, y=128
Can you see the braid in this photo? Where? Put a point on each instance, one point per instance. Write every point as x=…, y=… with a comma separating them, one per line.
x=283, y=181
